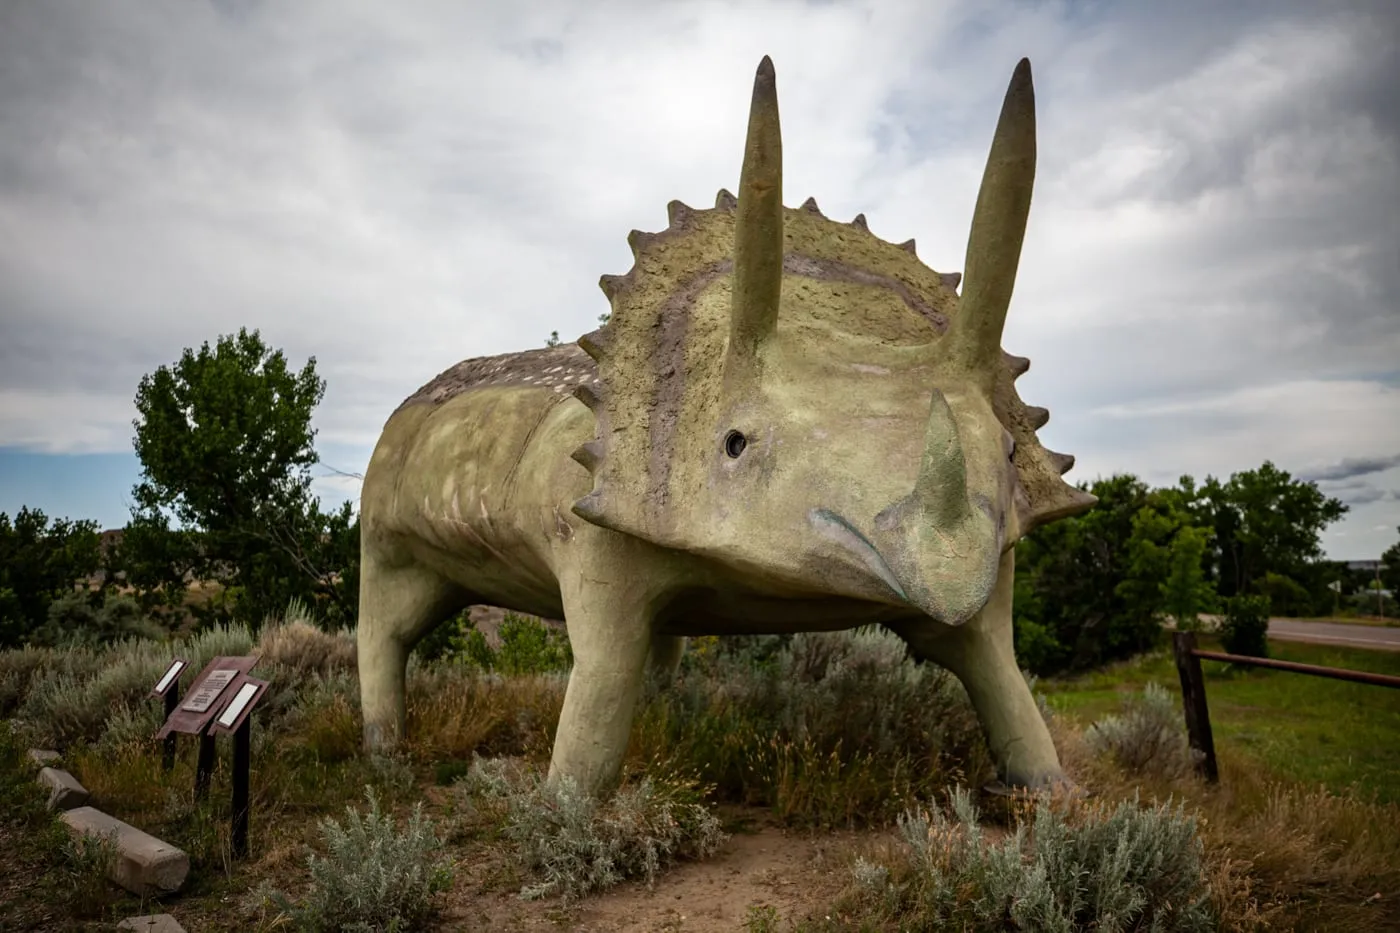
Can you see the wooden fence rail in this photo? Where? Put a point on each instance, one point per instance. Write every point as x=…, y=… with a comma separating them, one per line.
x=1193, y=690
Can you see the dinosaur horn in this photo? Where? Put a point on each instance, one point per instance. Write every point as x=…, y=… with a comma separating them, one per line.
x=758, y=226
x=998, y=229
x=941, y=488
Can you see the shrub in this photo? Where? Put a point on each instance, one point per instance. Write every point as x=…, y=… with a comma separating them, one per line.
x=77, y=618
x=528, y=646
x=296, y=643
x=64, y=707
x=834, y=728
x=373, y=878
x=1126, y=869
x=1148, y=738
x=575, y=844
x=1245, y=629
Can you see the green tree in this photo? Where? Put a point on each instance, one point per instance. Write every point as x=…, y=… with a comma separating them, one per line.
x=40, y=563
x=1186, y=592
x=225, y=443
x=1390, y=569
x=1266, y=522
x=1079, y=616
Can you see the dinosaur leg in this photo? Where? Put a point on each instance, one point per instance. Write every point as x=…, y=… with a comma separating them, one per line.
x=610, y=610
x=980, y=654
x=398, y=605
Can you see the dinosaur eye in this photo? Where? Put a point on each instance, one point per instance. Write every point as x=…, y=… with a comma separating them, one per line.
x=734, y=443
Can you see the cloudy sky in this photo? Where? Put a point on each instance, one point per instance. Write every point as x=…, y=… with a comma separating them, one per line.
x=1211, y=276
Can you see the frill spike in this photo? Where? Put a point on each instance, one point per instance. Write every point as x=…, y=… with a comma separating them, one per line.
x=951, y=280
x=612, y=285
x=1017, y=364
x=639, y=240
x=724, y=201
x=1037, y=416
x=589, y=455
x=908, y=247
x=590, y=507
x=1063, y=462
x=596, y=343
x=860, y=224
x=810, y=206
x=678, y=214
x=588, y=396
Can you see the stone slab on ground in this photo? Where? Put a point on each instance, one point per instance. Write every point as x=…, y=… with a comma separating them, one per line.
x=152, y=923
x=43, y=757
x=65, y=793
x=144, y=864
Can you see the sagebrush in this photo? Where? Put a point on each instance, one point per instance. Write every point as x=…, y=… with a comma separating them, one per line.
x=574, y=844
x=1091, y=867
x=374, y=877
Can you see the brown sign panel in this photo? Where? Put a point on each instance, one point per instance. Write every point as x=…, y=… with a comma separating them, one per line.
x=170, y=678
x=207, y=695
x=241, y=697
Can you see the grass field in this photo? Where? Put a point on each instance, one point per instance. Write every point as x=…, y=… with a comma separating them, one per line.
x=1308, y=729
x=1302, y=833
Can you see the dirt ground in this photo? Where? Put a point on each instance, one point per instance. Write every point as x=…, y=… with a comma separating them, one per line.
x=761, y=865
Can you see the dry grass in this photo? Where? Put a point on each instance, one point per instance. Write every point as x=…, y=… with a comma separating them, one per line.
x=297, y=644
x=1282, y=855
x=815, y=742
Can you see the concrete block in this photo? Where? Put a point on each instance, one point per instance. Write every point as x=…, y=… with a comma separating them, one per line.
x=42, y=757
x=65, y=792
x=152, y=923
x=144, y=865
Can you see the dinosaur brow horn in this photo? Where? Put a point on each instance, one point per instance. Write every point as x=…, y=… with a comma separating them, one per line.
x=998, y=230
x=758, y=226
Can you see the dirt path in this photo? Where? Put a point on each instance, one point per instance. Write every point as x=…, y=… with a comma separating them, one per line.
x=796, y=873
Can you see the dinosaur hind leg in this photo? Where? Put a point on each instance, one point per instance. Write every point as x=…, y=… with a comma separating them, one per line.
x=398, y=606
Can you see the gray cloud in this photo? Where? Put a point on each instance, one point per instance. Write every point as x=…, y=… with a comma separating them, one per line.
x=1351, y=468
x=1211, y=277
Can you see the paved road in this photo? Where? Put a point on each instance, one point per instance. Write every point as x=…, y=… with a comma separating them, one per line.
x=1336, y=633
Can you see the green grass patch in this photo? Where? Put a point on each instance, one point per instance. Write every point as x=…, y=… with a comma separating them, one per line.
x=1311, y=729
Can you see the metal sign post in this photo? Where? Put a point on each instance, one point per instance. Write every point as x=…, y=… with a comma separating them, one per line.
x=169, y=687
x=236, y=718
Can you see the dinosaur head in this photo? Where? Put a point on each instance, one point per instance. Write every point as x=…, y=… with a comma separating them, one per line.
x=814, y=407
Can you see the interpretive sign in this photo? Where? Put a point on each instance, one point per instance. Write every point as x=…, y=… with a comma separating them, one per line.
x=245, y=694
x=206, y=696
x=170, y=677
x=203, y=696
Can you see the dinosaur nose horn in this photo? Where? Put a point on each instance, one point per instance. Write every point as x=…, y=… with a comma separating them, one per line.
x=941, y=488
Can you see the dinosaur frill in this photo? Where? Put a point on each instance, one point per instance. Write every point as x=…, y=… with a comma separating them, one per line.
x=678, y=325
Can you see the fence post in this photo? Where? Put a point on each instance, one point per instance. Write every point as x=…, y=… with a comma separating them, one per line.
x=1193, y=697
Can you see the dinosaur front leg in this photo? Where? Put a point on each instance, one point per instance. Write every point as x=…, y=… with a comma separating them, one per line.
x=980, y=654
x=609, y=608
x=398, y=605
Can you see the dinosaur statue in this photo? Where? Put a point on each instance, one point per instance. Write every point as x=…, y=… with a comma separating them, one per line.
x=787, y=424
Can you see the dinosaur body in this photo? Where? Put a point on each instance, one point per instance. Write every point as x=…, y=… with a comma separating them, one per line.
x=787, y=425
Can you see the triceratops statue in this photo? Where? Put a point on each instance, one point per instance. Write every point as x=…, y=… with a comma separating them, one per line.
x=788, y=424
